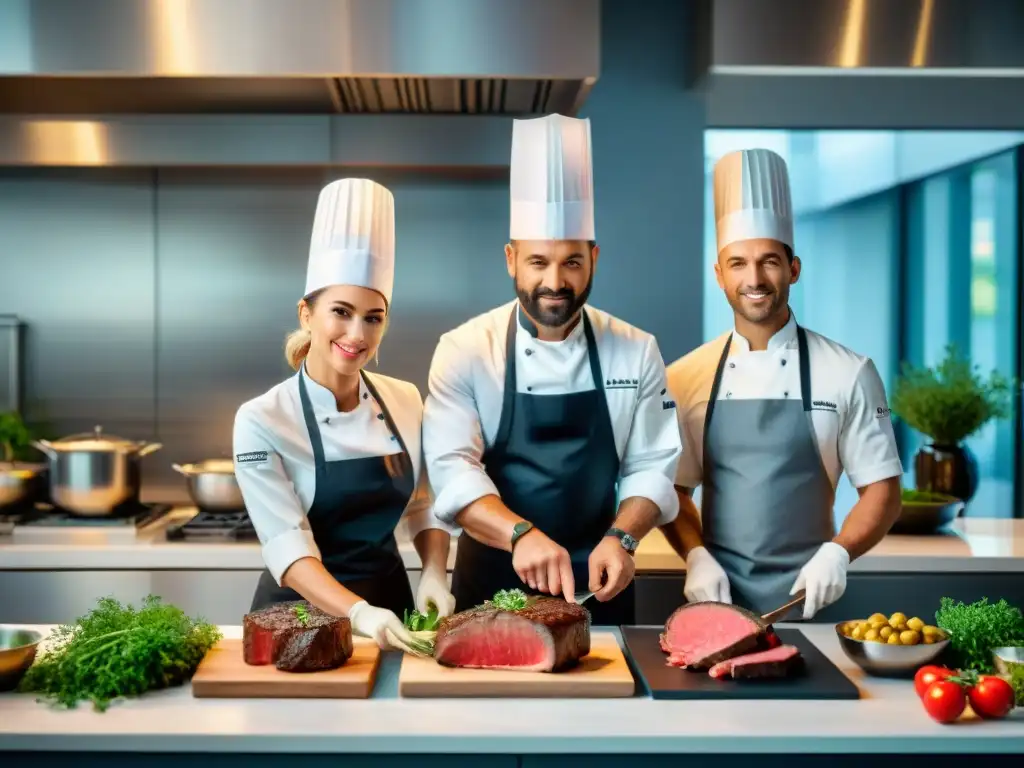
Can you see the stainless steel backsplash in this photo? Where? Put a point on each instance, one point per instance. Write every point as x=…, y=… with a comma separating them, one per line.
x=156, y=302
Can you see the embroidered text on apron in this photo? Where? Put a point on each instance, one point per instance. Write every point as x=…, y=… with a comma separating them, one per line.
x=766, y=498
x=355, y=509
x=555, y=464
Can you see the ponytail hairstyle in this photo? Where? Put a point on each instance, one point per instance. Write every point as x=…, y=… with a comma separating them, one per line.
x=296, y=345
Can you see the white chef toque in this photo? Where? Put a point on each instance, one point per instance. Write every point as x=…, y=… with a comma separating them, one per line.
x=551, y=179
x=353, y=240
x=752, y=198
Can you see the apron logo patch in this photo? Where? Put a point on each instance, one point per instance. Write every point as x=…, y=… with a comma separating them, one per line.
x=882, y=413
x=621, y=383
x=668, y=405
x=253, y=457
x=825, y=405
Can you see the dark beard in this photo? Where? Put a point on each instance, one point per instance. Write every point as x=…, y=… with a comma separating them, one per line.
x=553, y=318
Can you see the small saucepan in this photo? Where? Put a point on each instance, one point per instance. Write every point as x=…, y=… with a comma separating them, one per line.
x=212, y=485
x=18, y=483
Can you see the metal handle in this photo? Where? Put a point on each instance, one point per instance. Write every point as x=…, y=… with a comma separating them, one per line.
x=148, y=449
x=45, y=447
x=778, y=613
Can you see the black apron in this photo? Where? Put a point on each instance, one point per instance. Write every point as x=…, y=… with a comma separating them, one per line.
x=767, y=499
x=554, y=463
x=355, y=509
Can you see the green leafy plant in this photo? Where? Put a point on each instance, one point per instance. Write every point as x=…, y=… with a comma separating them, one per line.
x=15, y=437
x=974, y=629
x=950, y=402
x=423, y=628
x=118, y=651
x=509, y=600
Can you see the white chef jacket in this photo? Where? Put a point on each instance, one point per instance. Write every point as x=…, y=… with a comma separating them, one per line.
x=466, y=390
x=274, y=458
x=850, y=415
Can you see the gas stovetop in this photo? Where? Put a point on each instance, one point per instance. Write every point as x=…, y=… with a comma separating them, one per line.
x=47, y=524
x=214, y=527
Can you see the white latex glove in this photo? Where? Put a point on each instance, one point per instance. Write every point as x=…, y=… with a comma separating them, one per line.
x=377, y=624
x=433, y=588
x=705, y=578
x=824, y=577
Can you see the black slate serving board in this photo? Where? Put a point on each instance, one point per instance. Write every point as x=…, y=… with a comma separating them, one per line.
x=820, y=678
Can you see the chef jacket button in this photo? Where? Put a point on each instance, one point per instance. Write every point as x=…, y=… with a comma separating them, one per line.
x=380, y=416
x=529, y=389
x=366, y=395
x=529, y=352
x=785, y=394
x=728, y=394
x=732, y=365
x=783, y=361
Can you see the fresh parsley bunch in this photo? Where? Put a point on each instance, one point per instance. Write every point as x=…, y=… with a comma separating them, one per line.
x=974, y=629
x=117, y=651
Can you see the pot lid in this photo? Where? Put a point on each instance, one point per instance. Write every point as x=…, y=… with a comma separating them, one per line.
x=94, y=441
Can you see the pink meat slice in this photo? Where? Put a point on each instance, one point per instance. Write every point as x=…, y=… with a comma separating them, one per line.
x=699, y=635
x=770, y=663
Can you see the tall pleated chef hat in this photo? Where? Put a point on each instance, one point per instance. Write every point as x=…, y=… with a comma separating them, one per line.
x=752, y=198
x=551, y=179
x=353, y=240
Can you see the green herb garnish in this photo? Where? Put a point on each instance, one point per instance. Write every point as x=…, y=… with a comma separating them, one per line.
x=510, y=600
x=913, y=496
x=302, y=614
x=420, y=622
x=117, y=651
x=1017, y=683
x=976, y=628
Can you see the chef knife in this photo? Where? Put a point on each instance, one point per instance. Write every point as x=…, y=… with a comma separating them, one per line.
x=778, y=613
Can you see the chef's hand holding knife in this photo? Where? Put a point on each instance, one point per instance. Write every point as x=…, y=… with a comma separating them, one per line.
x=705, y=578
x=611, y=569
x=543, y=565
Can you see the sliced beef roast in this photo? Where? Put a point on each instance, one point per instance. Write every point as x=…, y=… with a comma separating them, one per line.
x=779, y=661
x=296, y=637
x=699, y=635
x=548, y=635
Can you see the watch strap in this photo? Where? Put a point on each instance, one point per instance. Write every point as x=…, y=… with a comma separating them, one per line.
x=628, y=542
x=519, y=529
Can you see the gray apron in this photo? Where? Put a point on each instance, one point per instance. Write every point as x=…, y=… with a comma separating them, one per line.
x=766, y=497
x=555, y=464
x=355, y=509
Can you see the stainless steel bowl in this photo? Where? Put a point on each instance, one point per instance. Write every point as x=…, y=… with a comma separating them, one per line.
x=212, y=485
x=884, y=660
x=17, y=483
x=17, y=652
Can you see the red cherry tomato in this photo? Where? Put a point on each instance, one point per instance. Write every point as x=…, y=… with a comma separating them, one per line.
x=944, y=701
x=991, y=697
x=927, y=675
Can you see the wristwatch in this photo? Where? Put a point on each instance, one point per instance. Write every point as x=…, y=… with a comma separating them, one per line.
x=518, y=530
x=628, y=542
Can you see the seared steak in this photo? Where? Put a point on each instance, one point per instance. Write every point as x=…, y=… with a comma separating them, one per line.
x=548, y=635
x=296, y=637
x=699, y=635
x=775, y=662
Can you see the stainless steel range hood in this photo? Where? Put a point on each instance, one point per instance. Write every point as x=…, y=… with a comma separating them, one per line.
x=864, y=63
x=508, y=57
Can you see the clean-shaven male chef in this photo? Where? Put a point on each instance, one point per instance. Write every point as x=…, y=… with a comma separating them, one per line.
x=772, y=414
x=329, y=460
x=547, y=430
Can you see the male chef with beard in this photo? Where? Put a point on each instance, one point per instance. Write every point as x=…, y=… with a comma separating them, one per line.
x=548, y=433
x=771, y=415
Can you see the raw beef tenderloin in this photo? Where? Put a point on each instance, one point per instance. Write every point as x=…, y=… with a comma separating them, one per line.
x=549, y=635
x=296, y=637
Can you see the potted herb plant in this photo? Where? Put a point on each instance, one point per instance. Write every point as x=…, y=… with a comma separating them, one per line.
x=948, y=404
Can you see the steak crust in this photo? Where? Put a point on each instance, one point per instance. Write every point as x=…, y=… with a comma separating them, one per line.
x=276, y=635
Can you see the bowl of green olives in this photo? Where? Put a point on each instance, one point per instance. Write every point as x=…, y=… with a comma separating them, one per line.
x=891, y=646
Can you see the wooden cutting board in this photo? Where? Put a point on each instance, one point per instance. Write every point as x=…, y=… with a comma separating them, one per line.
x=604, y=673
x=223, y=673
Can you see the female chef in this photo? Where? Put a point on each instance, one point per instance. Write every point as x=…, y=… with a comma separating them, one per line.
x=329, y=460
